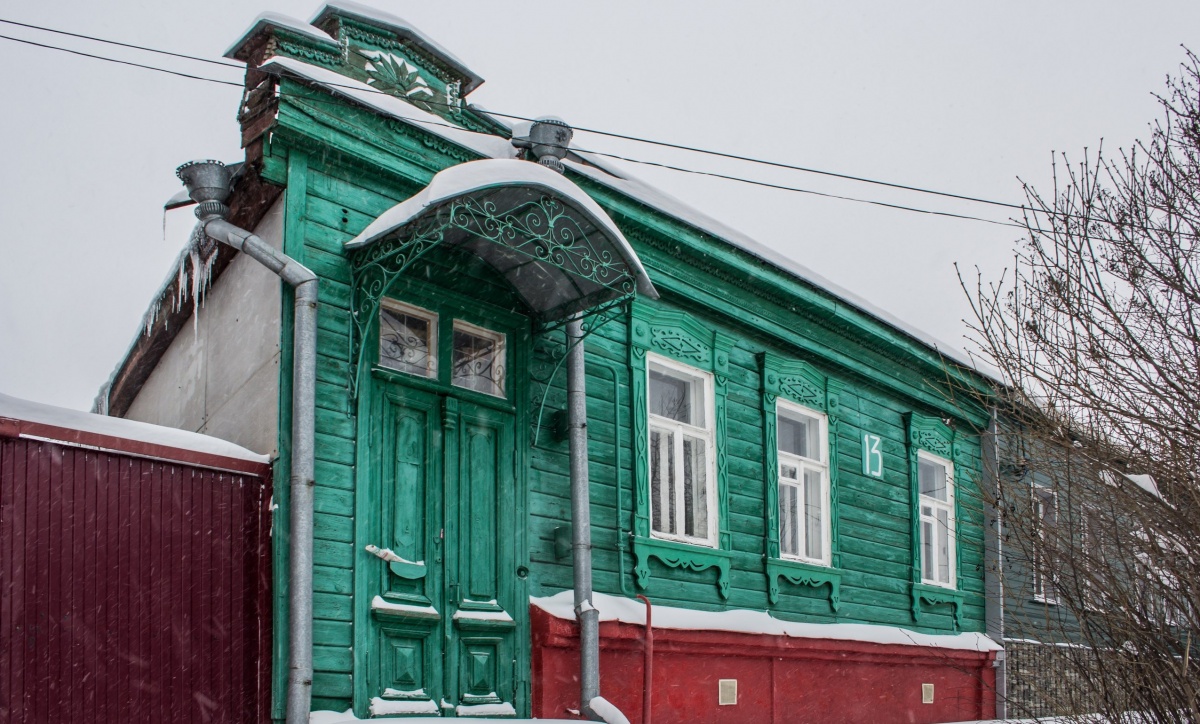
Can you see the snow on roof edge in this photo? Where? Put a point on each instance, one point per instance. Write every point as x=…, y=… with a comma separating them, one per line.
x=395, y=22
x=484, y=144
x=280, y=20
x=17, y=408
x=1147, y=483
x=625, y=610
x=651, y=196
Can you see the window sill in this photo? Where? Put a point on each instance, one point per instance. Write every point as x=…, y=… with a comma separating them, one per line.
x=934, y=595
x=1045, y=601
x=803, y=573
x=689, y=556
x=682, y=540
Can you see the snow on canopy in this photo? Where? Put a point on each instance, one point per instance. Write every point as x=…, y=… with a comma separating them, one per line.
x=478, y=176
x=15, y=408
x=615, y=608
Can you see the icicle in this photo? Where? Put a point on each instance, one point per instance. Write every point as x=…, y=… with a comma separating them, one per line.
x=151, y=317
x=194, y=257
x=180, y=285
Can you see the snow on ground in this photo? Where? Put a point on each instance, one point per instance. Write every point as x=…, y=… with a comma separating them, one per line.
x=347, y=717
x=18, y=409
x=625, y=610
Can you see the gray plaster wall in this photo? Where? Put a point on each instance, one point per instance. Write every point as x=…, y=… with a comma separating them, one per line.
x=220, y=376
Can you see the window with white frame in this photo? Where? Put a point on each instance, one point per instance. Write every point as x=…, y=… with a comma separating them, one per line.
x=1045, y=514
x=682, y=494
x=408, y=338
x=1089, y=547
x=936, y=484
x=803, y=483
x=478, y=359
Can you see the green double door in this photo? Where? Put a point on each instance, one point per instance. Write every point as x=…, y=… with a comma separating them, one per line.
x=442, y=564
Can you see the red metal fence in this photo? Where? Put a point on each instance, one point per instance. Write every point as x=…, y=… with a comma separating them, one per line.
x=132, y=589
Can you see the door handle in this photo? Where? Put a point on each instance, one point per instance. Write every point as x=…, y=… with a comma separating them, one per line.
x=400, y=566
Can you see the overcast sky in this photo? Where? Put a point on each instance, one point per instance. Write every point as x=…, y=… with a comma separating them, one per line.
x=960, y=97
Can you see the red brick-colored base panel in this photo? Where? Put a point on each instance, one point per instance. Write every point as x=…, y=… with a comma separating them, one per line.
x=779, y=679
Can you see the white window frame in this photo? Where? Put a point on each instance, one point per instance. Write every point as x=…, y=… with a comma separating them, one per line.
x=1043, y=585
x=803, y=464
x=679, y=429
x=411, y=310
x=935, y=504
x=501, y=341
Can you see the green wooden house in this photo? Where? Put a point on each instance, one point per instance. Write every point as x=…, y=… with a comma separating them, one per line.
x=777, y=465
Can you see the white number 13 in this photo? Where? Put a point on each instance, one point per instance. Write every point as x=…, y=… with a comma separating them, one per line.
x=872, y=456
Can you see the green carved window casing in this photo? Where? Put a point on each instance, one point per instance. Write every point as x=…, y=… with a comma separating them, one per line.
x=933, y=436
x=677, y=336
x=799, y=383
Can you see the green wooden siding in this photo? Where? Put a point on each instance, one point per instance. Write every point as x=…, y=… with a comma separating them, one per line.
x=344, y=166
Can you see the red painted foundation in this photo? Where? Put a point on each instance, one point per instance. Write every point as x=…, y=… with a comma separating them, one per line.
x=779, y=679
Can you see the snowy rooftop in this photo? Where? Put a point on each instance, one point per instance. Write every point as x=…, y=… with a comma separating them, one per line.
x=625, y=610
x=398, y=25
x=484, y=144
x=496, y=147
x=14, y=408
x=363, y=13
x=279, y=20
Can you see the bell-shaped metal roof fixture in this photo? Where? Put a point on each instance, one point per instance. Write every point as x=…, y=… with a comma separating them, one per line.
x=549, y=139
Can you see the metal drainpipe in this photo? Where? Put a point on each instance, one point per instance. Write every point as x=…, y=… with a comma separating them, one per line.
x=581, y=529
x=208, y=186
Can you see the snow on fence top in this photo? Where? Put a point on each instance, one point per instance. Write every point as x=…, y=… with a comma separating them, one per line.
x=625, y=610
x=85, y=428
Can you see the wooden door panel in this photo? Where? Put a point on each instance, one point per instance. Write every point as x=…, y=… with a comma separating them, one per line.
x=407, y=613
x=479, y=477
x=410, y=492
x=483, y=624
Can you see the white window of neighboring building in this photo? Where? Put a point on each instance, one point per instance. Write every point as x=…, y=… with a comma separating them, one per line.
x=803, y=451
x=1089, y=546
x=682, y=483
x=408, y=338
x=1045, y=514
x=936, y=486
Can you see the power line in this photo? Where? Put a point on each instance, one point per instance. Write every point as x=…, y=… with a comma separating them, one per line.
x=121, y=62
x=225, y=63
x=781, y=187
x=303, y=100
x=598, y=153
x=610, y=134
x=740, y=179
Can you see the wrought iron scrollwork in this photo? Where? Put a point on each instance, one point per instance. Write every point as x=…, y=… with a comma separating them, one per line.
x=549, y=354
x=540, y=228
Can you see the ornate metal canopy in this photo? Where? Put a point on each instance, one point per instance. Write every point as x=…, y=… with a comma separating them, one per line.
x=555, y=245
